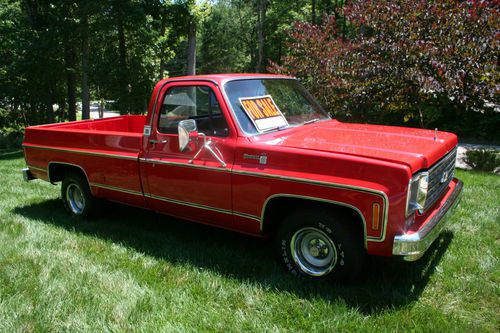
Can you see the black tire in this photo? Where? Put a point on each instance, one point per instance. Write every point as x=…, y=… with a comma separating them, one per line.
x=76, y=196
x=318, y=245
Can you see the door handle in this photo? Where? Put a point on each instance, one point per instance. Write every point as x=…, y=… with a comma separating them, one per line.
x=157, y=141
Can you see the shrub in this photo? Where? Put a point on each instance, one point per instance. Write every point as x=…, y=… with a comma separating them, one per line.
x=401, y=62
x=11, y=137
x=483, y=159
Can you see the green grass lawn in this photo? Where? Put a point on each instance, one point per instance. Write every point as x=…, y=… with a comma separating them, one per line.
x=135, y=271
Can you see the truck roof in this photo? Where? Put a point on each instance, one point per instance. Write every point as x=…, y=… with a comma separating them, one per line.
x=218, y=78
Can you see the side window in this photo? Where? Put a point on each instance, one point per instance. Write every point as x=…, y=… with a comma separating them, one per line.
x=192, y=102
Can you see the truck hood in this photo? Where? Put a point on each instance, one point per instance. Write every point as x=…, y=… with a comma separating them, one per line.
x=414, y=147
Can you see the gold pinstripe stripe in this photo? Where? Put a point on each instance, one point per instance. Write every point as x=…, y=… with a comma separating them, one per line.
x=37, y=168
x=118, y=189
x=81, y=152
x=190, y=204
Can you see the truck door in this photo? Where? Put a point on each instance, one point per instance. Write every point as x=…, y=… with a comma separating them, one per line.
x=179, y=184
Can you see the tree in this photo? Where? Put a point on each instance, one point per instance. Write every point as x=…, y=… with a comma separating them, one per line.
x=14, y=32
x=225, y=39
x=280, y=18
x=43, y=85
x=404, y=61
x=84, y=26
x=241, y=35
x=191, y=54
x=423, y=63
x=261, y=18
x=162, y=37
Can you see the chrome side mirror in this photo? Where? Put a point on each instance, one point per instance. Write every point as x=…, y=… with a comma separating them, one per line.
x=187, y=131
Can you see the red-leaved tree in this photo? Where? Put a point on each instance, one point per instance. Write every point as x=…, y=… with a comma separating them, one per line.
x=402, y=60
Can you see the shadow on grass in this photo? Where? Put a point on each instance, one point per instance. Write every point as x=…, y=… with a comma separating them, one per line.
x=10, y=154
x=385, y=284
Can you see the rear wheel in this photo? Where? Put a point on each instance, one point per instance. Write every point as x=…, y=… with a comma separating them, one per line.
x=76, y=196
x=317, y=245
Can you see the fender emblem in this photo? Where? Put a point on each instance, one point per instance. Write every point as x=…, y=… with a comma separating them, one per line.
x=444, y=177
x=261, y=158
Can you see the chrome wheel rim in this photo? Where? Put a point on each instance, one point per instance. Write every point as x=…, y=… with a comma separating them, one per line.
x=313, y=251
x=75, y=199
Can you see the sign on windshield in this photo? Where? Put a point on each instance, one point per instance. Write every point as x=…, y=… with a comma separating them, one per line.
x=263, y=112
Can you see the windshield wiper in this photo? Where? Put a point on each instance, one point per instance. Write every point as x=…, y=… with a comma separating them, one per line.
x=282, y=127
x=277, y=128
x=311, y=121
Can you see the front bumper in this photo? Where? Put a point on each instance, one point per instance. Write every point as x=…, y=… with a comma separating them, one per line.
x=413, y=246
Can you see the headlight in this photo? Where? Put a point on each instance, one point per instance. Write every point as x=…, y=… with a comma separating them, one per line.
x=417, y=193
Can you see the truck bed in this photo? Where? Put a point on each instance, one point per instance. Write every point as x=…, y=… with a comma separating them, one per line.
x=106, y=150
x=119, y=134
x=124, y=124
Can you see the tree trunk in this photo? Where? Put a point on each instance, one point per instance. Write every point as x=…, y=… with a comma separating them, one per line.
x=32, y=11
x=50, y=109
x=70, y=61
x=61, y=111
x=421, y=116
x=344, y=22
x=313, y=11
x=247, y=38
x=280, y=50
x=191, y=57
x=261, y=16
x=124, y=86
x=85, y=67
x=101, y=108
x=163, y=29
x=71, y=85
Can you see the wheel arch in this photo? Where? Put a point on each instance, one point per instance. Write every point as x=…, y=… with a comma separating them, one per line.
x=277, y=206
x=58, y=170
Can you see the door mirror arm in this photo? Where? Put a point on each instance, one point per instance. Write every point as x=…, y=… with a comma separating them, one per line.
x=188, y=132
x=207, y=144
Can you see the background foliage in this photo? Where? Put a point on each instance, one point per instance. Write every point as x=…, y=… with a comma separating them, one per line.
x=413, y=63
x=420, y=63
x=483, y=159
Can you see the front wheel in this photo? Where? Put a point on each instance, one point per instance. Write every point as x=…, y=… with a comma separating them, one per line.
x=76, y=196
x=317, y=245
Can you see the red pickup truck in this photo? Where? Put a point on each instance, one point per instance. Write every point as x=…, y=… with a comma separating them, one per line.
x=258, y=155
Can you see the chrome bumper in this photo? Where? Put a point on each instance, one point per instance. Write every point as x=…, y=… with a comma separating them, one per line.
x=413, y=246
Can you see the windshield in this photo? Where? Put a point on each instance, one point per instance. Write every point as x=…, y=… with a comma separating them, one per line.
x=263, y=105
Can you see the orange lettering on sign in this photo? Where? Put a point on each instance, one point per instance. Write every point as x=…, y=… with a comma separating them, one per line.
x=260, y=108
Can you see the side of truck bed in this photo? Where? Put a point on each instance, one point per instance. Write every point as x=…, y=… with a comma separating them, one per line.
x=106, y=151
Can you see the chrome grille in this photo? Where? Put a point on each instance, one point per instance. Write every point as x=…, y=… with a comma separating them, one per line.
x=440, y=175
